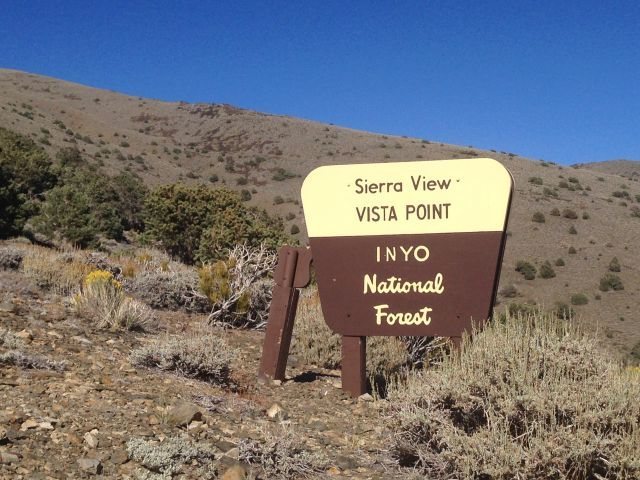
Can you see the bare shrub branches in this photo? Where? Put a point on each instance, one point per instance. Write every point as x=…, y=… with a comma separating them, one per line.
x=240, y=288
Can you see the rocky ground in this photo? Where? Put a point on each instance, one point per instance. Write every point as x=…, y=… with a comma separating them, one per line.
x=91, y=413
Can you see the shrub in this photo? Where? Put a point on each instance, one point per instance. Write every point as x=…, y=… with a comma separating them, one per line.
x=282, y=455
x=509, y=291
x=240, y=288
x=61, y=273
x=572, y=230
x=282, y=174
x=538, y=217
x=492, y=409
x=635, y=211
x=549, y=192
x=245, y=195
x=546, y=271
x=614, y=265
x=559, y=262
x=535, y=180
x=202, y=355
x=103, y=299
x=10, y=258
x=579, y=299
x=167, y=458
x=30, y=361
x=295, y=229
x=25, y=174
x=198, y=223
x=611, y=282
x=572, y=251
x=568, y=213
x=563, y=184
x=526, y=269
x=278, y=200
x=169, y=289
x=555, y=212
x=316, y=344
x=563, y=311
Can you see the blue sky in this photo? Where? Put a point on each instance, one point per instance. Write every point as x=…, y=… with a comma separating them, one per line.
x=551, y=80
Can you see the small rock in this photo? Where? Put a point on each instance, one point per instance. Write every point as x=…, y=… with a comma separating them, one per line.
x=90, y=465
x=365, y=397
x=27, y=424
x=25, y=335
x=153, y=420
x=119, y=457
x=333, y=471
x=91, y=440
x=276, y=412
x=277, y=383
x=236, y=472
x=183, y=414
x=6, y=457
x=45, y=426
x=233, y=453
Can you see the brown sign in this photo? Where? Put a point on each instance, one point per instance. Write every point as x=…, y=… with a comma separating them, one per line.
x=408, y=248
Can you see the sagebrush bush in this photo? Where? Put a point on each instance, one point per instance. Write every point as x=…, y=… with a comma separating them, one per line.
x=10, y=257
x=535, y=180
x=282, y=455
x=538, y=217
x=316, y=344
x=30, y=361
x=61, y=273
x=170, y=289
x=611, y=282
x=526, y=398
x=555, y=212
x=614, y=265
x=166, y=458
x=202, y=355
x=559, y=262
x=579, y=299
x=526, y=269
x=568, y=213
x=103, y=300
x=546, y=270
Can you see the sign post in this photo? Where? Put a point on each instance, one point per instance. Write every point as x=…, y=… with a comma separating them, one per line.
x=405, y=249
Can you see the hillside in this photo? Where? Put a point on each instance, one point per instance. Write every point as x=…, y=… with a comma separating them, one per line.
x=270, y=155
x=625, y=168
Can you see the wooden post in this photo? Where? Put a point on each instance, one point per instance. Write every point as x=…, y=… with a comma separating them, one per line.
x=291, y=273
x=284, y=301
x=354, y=365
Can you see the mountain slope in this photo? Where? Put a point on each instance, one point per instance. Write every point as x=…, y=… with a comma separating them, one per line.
x=269, y=156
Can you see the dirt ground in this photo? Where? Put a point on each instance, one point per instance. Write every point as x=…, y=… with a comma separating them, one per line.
x=77, y=422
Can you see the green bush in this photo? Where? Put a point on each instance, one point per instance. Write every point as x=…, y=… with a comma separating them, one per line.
x=579, y=299
x=560, y=262
x=572, y=230
x=526, y=269
x=568, y=213
x=614, y=265
x=563, y=311
x=611, y=282
x=538, y=217
x=199, y=223
x=87, y=205
x=25, y=174
x=535, y=180
x=555, y=212
x=572, y=251
x=549, y=192
x=546, y=271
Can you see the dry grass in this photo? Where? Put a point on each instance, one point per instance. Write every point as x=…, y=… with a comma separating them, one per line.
x=103, y=300
x=316, y=344
x=528, y=398
x=203, y=355
x=59, y=272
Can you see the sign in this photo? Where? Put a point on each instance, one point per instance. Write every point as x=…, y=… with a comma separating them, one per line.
x=411, y=248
